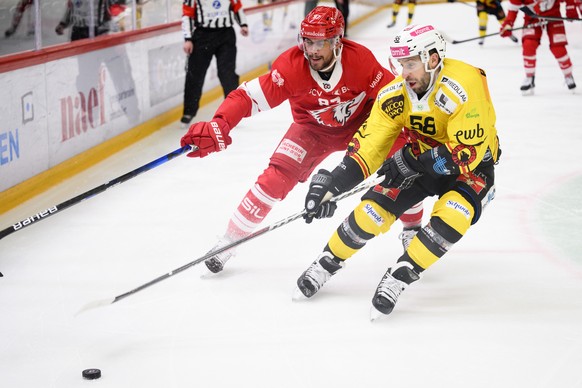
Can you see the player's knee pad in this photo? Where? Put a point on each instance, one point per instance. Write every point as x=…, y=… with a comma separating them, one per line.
x=277, y=181
x=366, y=222
x=373, y=218
x=455, y=210
x=530, y=45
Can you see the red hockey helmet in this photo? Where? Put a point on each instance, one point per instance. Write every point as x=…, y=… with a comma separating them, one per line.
x=323, y=23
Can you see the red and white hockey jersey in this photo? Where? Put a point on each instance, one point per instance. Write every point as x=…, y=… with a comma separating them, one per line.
x=341, y=103
x=541, y=7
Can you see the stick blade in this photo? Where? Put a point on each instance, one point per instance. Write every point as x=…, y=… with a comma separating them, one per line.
x=95, y=304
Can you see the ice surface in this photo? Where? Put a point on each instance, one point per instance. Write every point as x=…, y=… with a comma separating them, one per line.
x=502, y=309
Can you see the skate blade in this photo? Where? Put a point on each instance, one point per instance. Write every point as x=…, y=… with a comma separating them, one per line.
x=529, y=92
x=375, y=315
x=298, y=295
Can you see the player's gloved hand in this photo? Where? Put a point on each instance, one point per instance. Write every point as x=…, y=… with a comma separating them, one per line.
x=317, y=201
x=572, y=12
x=209, y=137
x=505, y=30
x=507, y=26
x=401, y=169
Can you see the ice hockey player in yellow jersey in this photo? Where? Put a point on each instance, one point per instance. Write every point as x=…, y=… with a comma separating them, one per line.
x=452, y=151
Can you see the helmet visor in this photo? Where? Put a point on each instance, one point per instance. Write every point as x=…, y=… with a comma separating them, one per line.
x=311, y=45
x=408, y=65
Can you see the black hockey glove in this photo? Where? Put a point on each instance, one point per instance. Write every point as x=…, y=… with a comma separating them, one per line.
x=317, y=203
x=401, y=169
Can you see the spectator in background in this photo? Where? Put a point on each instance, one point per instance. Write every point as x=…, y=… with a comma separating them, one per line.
x=396, y=10
x=208, y=31
x=78, y=17
x=21, y=7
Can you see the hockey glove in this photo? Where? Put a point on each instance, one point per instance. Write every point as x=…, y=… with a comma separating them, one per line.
x=209, y=137
x=507, y=26
x=317, y=201
x=401, y=169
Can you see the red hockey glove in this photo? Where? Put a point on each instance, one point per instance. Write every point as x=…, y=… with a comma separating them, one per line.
x=572, y=12
x=505, y=30
x=209, y=137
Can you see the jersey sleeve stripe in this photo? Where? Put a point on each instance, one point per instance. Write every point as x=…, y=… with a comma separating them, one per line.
x=255, y=92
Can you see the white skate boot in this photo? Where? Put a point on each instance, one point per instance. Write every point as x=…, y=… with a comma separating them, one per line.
x=528, y=85
x=395, y=280
x=319, y=272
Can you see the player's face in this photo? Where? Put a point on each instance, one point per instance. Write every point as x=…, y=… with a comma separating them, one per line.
x=414, y=74
x=319, y=52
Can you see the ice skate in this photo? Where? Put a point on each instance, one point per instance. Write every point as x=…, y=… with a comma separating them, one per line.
x=570, y=82
x=528, y=85
x=390, y=25
x=407, y=235
x=319, y=272
x=513, y=38
x=216, y=263
x=395, y=281
x=481, y=41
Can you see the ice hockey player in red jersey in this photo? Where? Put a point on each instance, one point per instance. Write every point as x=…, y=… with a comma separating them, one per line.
x=330, y=92
x=532, y=36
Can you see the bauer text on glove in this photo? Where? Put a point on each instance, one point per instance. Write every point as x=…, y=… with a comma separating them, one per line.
x=209, y=137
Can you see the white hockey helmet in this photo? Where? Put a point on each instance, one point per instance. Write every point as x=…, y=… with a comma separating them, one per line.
x=418, y=40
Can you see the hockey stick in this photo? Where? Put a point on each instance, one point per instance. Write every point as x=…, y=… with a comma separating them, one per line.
x=462, y=2
x=104, y=302
x=497, y=33
x=530, y=12
x=88, y=194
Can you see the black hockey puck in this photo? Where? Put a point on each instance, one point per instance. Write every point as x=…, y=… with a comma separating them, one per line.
x=91, y=374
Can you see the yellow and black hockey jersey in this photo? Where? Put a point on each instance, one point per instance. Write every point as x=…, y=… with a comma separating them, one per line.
x=455, y=120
